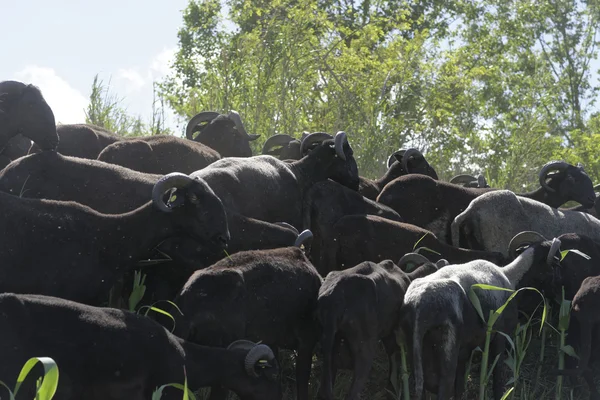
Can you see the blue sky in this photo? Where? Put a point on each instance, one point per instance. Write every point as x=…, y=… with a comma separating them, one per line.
x=60, y=45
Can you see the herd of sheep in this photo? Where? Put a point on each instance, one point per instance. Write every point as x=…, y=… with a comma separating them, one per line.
x=291, y=249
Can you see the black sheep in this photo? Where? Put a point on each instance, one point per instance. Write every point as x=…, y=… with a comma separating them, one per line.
x=104, y=353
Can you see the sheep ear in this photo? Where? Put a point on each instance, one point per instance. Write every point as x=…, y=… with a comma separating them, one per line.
x=176, y=198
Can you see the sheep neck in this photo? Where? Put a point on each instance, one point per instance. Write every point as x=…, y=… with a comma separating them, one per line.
x=311, y=169
x=145, y=226
x=516, y=270
x=553, y=199
x=210, y=365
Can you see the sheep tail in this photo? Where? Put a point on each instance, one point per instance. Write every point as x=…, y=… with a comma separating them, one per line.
x=329, y=325
x=418, y=335
x=455, y=228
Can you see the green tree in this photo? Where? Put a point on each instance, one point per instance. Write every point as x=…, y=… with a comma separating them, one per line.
x=488, y=85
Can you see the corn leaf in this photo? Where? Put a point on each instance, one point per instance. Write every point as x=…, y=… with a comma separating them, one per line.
x=569, y=350
x=49, y=384
x=157, y=395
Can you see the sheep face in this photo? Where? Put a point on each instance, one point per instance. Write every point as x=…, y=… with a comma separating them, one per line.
x=222, y=135
x=417, y=165
x=345, y=171
x=265, y=385
x=201, y=215
x=577, y=185
x=24, y=110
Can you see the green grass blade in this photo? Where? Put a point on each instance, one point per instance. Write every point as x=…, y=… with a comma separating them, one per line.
x=564, y=253
x=508, y=392
x=419, y=241
x=11, y=396
x=160, y=311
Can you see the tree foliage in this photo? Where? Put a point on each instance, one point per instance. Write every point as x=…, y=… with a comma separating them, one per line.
x=484, y=85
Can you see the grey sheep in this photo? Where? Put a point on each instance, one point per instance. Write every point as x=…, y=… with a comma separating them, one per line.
x=494, y=218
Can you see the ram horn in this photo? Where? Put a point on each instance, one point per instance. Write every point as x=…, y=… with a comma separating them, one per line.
x=309, y=140
x=396, y=156
x=554, y=248
x=235, y=117
x=481, y=181
x=241, y=344
x=412, y=152
x=274, y=141
x=288, y=226
x=441, y=263
x=197, y=119
x=415, y=258
x=260, y=353
x=340, y=139
x=523, y=238
x=547, y=168
x=462, y=179
x=167, y=182
x=303, y=237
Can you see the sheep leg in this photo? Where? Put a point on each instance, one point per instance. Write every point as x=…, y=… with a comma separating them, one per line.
x=363, y=352
x=329, y=344
x=501, y=372
x=585, y=349
x=588, y=376
x=449, y=363
x=303, y=366
x=459, y=382
x=585, y=345
x=391, y=348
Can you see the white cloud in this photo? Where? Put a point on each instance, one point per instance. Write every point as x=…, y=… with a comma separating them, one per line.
x=67, y=103
x=160, y=65
x=130, y=79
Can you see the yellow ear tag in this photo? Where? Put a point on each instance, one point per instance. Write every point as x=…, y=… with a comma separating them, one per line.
x=173, y=198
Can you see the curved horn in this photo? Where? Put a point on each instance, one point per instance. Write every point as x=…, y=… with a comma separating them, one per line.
x=441, y=263
x=551, y=166
x=412, y=152
x=260, y=352
x=197, y=120
x=525, y=237
x=235, y=117
x=311, y=139
x=340, y=139
x=241, y=345
x=276, y=140
x=463, y=179
x=396, y=156
x=288, y=226
x=554, y=248
x=415, y=258
x=304, y=236
x=170, y=181
x=481, y=181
